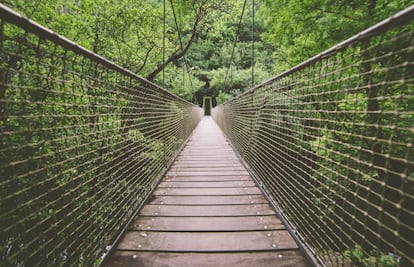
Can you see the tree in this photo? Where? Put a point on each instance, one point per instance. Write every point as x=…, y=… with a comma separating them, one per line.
x=301, y=29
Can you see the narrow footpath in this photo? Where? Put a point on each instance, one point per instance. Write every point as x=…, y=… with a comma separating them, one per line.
x=207, y=211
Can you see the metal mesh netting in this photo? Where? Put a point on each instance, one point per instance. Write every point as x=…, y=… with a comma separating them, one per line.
x=331, y=143
x=82, y=143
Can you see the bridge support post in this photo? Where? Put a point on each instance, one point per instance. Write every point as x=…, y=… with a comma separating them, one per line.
x=207, y=105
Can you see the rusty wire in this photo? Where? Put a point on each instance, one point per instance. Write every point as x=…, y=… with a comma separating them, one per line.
x=82, y=144
x=331, y=143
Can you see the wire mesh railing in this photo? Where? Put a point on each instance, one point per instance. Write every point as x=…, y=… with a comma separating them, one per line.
x=82, y=144
x=331, y=143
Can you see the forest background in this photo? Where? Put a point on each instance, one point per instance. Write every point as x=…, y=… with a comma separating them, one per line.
x=207, y=46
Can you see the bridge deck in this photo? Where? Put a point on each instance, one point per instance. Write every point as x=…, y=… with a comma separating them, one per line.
x=207, y=211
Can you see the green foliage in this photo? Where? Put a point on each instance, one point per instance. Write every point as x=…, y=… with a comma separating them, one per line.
x=234, y=81
x=130, y=33
x=183, y=83
x=374, y=259
x=127, y=32
x=301, y=29
x=224, y=97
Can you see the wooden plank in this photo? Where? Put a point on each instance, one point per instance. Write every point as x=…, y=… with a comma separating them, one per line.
x=205, y=224
x=258, y=259
x=189, y=167
x=216, y=156
x=209, y=155
x=223, y=184
x=209, y=152
x=211, y=178
x=207, y=168
x=206, y=158
x=211, y=164
x=207, y=191
x=207, y=241
x=208, y=200
x=206, y=172
x=190, y=160
x=217, y=152
x=207, y=210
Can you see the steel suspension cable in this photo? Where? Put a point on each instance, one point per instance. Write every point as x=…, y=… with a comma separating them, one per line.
x=163, y=40
x=253, y=55
x=181, y=42
x=235, y=41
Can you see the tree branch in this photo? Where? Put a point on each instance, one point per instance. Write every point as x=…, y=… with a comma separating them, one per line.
x=145, y=59
x=180, y=52
x=336, y=13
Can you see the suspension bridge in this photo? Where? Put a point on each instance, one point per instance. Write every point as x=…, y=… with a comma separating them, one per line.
x=101, y=167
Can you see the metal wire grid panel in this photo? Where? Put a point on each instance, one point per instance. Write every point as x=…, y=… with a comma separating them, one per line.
x=82, y=142
x=331, y=142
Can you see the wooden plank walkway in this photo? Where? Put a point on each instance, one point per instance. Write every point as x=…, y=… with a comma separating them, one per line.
x=207, y=211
